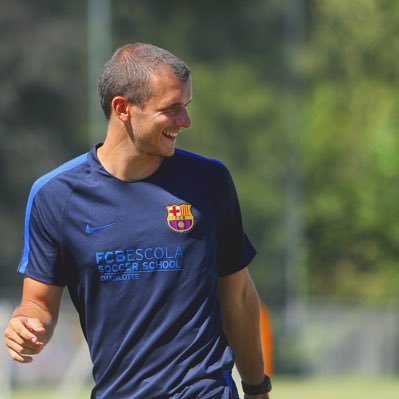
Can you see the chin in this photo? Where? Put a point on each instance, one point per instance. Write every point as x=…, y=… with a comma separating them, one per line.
x=169, y=153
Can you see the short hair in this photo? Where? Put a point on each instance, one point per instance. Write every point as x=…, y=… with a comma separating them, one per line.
x=128, y=73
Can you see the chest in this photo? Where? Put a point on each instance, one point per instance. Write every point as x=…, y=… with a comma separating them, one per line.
x=131, y=232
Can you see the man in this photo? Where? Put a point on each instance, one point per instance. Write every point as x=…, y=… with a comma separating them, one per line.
x=149, y=242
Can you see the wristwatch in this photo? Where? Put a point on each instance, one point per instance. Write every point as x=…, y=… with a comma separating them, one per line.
x=264, y=387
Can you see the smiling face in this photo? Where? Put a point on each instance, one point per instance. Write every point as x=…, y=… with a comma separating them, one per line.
x=156, y=124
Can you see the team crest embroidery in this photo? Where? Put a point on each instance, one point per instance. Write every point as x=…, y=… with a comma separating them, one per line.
x=180, y=217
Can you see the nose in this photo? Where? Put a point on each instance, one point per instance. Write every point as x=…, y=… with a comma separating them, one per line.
x=183, y=119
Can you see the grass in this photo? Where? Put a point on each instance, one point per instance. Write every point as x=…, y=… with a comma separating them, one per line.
x=285, y=388
x=336, y=388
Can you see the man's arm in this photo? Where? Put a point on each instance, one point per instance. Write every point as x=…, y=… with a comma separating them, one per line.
x=33, y=322
x=241, y=312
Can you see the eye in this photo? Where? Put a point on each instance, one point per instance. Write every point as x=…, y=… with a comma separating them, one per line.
x=171, y=109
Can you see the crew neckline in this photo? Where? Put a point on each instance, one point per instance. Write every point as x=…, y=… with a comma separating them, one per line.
x=100, y=167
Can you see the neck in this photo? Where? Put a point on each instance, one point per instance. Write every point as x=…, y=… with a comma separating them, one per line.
x=120, y=159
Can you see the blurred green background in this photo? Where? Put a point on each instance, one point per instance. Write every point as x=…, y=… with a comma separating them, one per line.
x=299, y=98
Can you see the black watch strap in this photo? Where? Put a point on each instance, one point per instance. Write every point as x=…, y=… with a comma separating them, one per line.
x=264, y=387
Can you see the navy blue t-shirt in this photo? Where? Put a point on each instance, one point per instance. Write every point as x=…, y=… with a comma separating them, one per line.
x=141, y=261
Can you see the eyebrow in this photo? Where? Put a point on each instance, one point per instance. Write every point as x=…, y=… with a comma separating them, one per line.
x=188, y=102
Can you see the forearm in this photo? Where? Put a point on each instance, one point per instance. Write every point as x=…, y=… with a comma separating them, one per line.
x=241, y=326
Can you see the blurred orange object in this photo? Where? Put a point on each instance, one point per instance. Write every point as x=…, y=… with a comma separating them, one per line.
x=266, y=339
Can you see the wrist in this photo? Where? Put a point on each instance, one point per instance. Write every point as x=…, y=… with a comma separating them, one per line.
x=264, y=387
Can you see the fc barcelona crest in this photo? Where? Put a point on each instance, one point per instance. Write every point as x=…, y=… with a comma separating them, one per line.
x=179, y=217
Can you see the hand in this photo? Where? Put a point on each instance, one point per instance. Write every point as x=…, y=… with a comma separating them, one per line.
x=260, y=396
x=21, y=336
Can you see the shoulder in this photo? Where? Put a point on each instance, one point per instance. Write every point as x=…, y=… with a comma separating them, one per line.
x=208, y=176
x=185, y=159
x=61, y=180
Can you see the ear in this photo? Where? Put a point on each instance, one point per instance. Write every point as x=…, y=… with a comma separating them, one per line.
x=120, y=107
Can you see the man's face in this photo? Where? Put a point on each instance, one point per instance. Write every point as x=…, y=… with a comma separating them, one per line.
x=157, y=123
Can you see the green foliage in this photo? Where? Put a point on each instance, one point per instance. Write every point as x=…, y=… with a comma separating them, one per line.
x=350, y=150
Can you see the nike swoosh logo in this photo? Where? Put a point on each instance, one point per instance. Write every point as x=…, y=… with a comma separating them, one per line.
x=90, y=230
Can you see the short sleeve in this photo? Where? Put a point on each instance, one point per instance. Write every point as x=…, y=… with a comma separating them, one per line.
x=234, y=250
x=41, y=256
